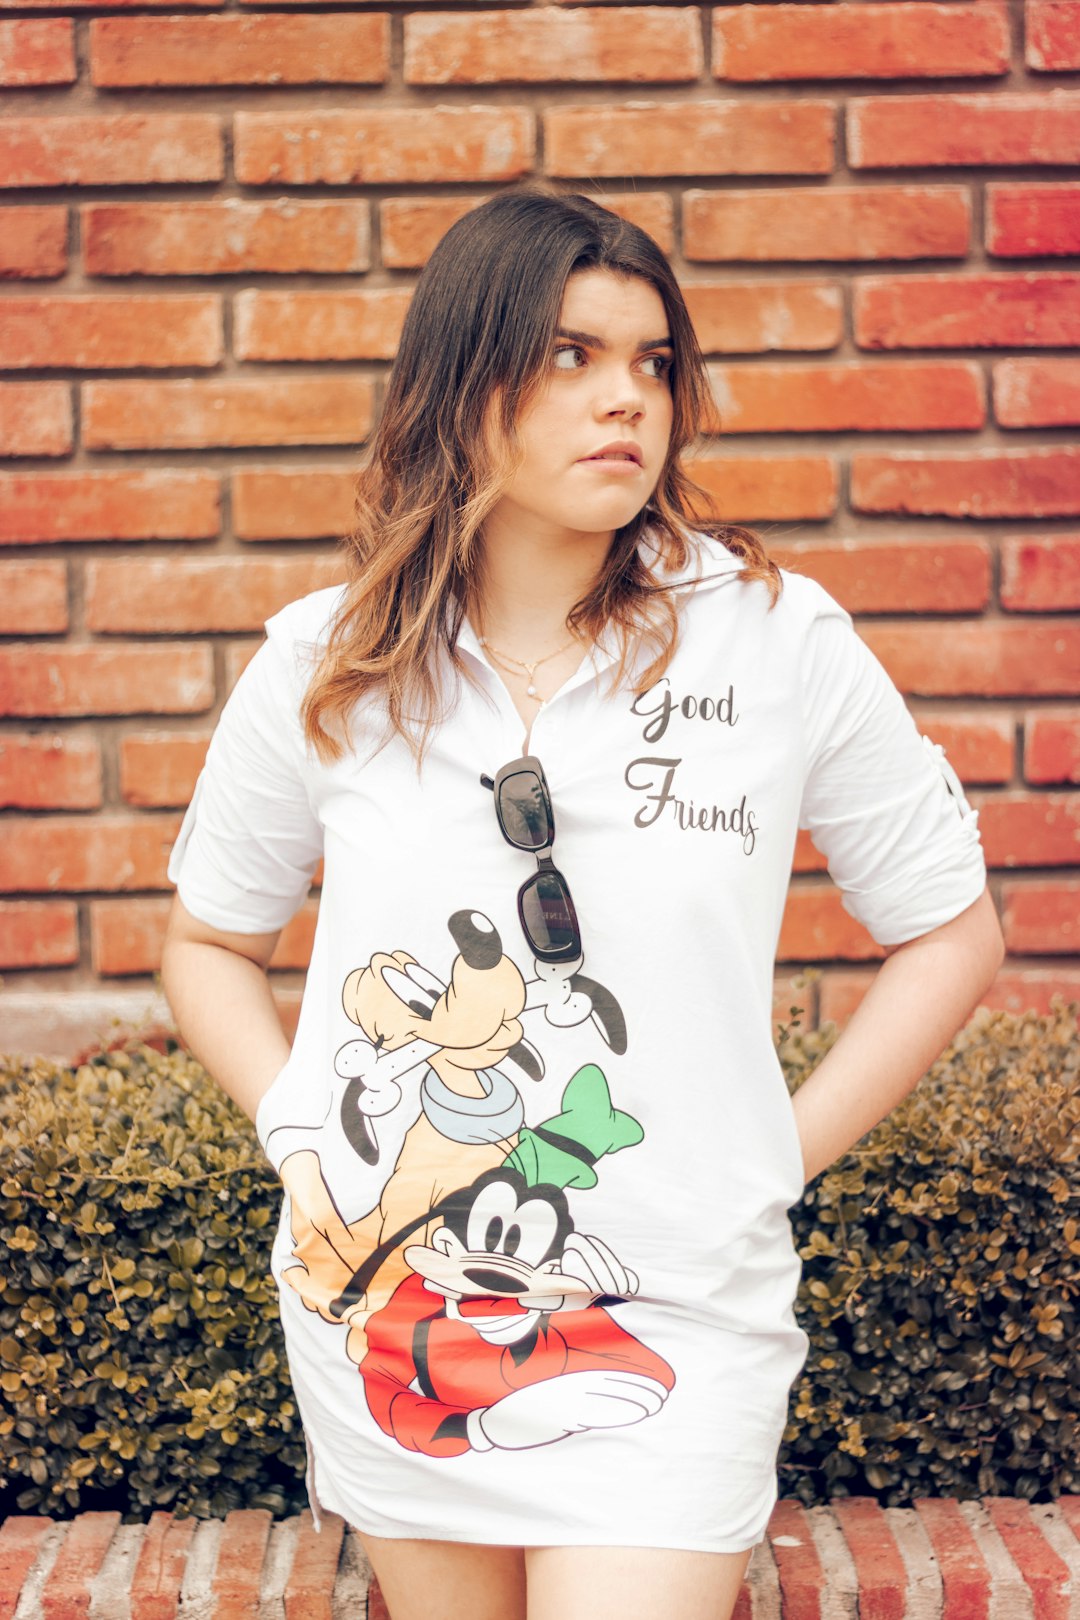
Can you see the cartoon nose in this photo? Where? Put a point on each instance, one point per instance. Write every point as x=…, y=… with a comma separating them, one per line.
x=476, y=938
x=494, y=1282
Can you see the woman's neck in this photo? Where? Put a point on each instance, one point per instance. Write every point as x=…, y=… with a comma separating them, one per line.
x=528, y=584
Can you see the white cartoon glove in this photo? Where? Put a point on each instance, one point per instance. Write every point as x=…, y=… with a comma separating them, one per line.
x=589, y=1259
x=555, y=1407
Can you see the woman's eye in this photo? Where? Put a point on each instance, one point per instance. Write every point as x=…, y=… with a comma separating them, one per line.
x=661, y=364
x=567, y=359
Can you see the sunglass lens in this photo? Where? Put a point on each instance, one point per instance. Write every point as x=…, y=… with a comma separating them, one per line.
x=523, y=810
x=547, y=913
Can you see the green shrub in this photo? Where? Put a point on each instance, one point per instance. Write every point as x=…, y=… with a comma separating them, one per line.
x=141, y=1354
x=941, y=1279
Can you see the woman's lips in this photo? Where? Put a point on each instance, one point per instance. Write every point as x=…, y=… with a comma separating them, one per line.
x=618, y=464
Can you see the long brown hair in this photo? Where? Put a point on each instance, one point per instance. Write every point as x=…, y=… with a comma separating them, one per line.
x=476, y=345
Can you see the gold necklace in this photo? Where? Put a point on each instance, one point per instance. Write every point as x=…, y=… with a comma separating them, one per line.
x=530, y=690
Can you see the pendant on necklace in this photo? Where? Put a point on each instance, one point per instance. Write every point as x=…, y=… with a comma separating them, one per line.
x=530, y=691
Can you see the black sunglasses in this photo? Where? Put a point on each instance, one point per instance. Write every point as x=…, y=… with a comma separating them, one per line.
x=527, y=821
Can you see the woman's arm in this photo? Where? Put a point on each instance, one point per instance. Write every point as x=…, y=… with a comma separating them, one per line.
x=220, y=996
x=921, y=995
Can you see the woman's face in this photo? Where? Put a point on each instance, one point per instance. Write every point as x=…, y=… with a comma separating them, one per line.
x=595, y=436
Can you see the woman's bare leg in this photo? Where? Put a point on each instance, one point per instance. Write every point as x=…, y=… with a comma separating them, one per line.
x=448, y=1580
x=632, y=1583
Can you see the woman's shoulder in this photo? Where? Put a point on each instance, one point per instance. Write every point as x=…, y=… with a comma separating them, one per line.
x=799, y=601
x=299, y=629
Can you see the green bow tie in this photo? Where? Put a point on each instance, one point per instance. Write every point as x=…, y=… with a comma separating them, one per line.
x=562, y=1151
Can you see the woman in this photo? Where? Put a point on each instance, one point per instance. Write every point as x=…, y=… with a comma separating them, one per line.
x=554, y=740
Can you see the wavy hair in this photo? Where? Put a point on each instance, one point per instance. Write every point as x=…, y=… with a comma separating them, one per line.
x=475, y=348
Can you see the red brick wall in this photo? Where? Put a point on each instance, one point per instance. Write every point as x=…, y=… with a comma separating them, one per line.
x=211, y=225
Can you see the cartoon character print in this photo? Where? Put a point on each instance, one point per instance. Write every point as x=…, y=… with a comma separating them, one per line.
x=472, y=1244
x=495, y=1341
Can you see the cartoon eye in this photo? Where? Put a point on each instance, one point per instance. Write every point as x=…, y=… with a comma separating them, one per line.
x=498, y=1224
x=417, y=988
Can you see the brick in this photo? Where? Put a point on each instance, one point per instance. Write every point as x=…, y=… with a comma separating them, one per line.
x=107, y=331
x=895, y=576
x=65, y=1594
x=215, y=593
x=1045, y=1572
x=383, y=146
x=634, y=45
x=840, y=222
x=22, y=1541
x=855, y=41
x=410, y=227
x=319, y=325
x=162, y=504
x=158, y=769
x=1040, y=574
x=282, y=503
x=309, y=1589
x=377, y=1609
x=964, y=1574
x=1037, y=393
x=228, y=237
x=649, y=138
x=1031, y=220
x=1041, y=918
x=979, y=483
x=767, y=488
x=73, y=854
x=799, y=1569
x=1052, y=745
x=859, y=396
x=816, y=928
x=159, y=1574
x=38, y=934
x=193, y=414
x=1052, y=36
x=1031, y=990
x=33, y=243
x=50, y=771
x=338, y=48
x=36, y=419
x=879, y=1567
x=987, y=658
x=241, y=1550
x=980, y=748
x=901, y=132
x=37, y=52
x=753, y=317
x=1023, y=311
x=33, y=598
x=126, y=936
x=87, y=5
x=237, y=658
x=1030, y=829
x=77, y=680
x=111, y=149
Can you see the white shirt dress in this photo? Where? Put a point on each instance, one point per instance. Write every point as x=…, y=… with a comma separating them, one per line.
x=537, y=1271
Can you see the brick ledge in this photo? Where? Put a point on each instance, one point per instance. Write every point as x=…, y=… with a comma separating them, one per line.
x=999, y=1558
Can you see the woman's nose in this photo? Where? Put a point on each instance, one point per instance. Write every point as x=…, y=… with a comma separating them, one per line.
x=624, y=398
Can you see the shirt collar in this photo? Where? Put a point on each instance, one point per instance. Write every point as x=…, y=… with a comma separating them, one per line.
x=708, y=564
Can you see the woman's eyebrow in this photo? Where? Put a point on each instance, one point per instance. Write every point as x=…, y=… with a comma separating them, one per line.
x=590, y=340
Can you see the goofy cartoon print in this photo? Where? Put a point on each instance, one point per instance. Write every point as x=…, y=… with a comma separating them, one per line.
x=471, y=1300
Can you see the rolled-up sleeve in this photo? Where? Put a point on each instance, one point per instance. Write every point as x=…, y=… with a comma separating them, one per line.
x=250, y=841
x=880, y=801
